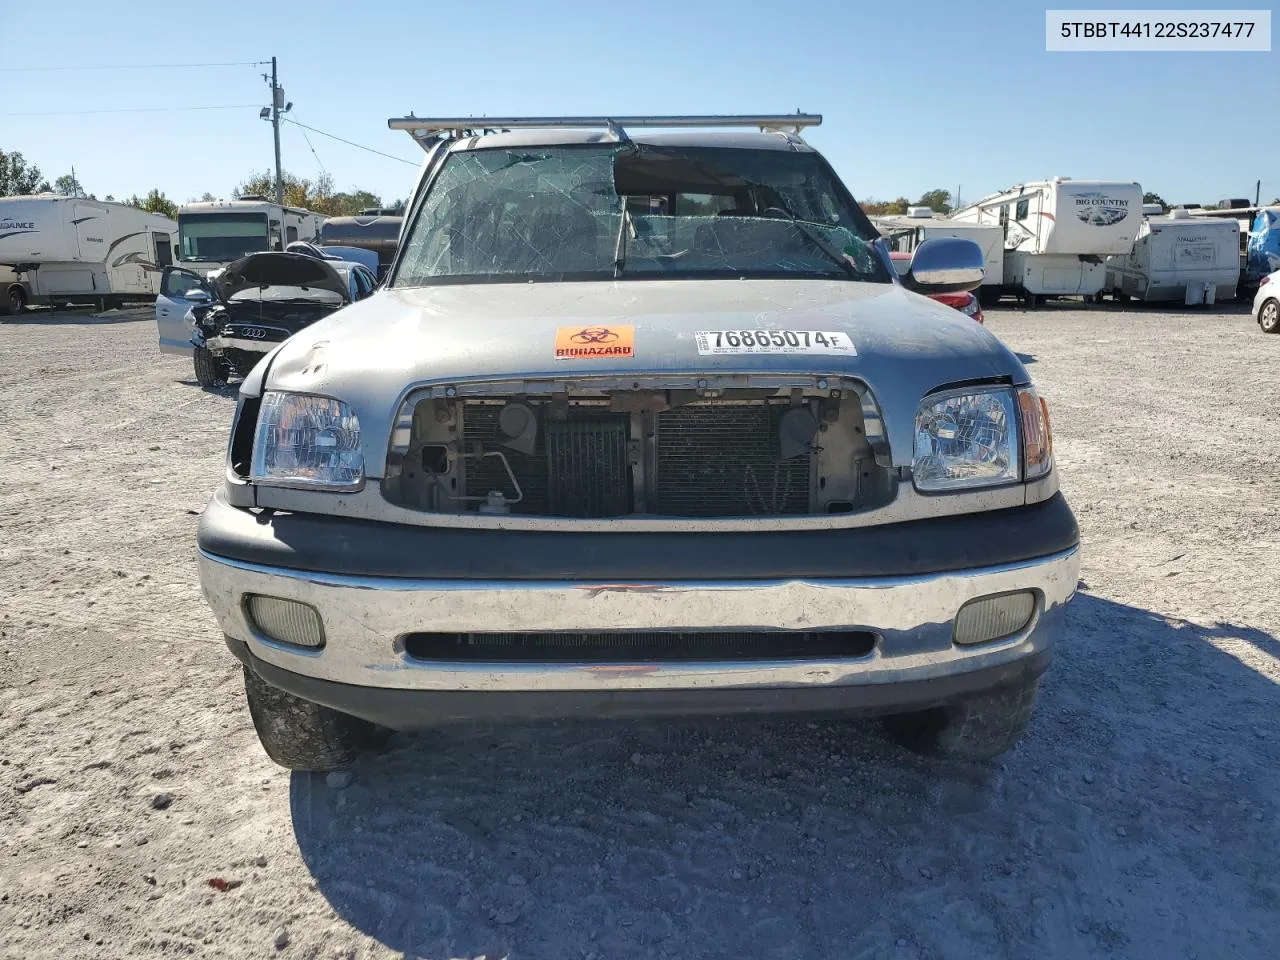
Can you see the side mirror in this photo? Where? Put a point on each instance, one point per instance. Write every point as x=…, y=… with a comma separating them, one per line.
x=945, y=265
x=177, y=252
x=197, y=295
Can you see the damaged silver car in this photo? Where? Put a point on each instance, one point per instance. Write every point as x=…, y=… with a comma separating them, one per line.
x=641, y=422
x=230, y=320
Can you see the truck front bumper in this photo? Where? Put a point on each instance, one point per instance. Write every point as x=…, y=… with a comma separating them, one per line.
x=363, y=668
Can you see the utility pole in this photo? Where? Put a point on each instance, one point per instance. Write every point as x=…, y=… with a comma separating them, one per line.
x=277, y=101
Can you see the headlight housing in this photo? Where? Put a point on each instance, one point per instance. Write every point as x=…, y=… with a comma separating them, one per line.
x=307, y=442
x=981, y=437
x=966, y=438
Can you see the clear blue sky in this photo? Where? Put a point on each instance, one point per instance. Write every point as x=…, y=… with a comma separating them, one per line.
x=936, y=93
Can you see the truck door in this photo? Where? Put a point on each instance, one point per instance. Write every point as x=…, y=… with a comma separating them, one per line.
x=175, y=298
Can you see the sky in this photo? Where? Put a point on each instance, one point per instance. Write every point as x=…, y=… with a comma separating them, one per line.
x=914, y=96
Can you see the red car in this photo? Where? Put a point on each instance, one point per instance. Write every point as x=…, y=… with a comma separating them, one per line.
x=966, y=302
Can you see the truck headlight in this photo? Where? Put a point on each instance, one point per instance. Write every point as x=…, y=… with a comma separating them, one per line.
x=307, y=442
x=966, y=438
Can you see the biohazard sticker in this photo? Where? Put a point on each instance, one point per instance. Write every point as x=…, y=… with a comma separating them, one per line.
x=592, y=342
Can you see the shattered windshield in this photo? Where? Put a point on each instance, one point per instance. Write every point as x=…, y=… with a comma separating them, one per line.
x=626, y=212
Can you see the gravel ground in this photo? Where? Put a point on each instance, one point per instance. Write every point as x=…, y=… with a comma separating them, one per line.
x=1138, y=818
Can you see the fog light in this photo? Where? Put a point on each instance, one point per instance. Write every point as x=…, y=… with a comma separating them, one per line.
x=286, y=621
x=990, y=618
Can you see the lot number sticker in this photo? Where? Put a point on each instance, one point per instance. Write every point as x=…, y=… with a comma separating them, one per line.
x=714, y=342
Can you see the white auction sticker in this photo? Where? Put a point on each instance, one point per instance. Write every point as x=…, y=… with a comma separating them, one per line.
x=711, y=342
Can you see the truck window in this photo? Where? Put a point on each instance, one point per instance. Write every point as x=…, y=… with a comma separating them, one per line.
x=1021, y=212
x=290, y=234
x=695, y=204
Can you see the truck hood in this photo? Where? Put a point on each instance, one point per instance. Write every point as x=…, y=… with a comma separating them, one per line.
x=371, y=353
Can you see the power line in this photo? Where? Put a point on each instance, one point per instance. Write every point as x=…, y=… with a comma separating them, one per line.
x=358, y=146
x=136, y=66
x=319, y=162
x=68, y=113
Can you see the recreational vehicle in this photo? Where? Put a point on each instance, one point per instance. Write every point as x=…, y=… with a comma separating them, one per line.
x=905, y=233
x=371, y=230
x=214, y=233
x=1058, y=232
x=1178, y=257
x=66, y=249
x=1244, y=216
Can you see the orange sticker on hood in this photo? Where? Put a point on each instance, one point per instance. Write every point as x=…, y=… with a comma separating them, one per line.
x=585, y=343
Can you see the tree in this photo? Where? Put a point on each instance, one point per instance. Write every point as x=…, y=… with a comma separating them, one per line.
x=69, y=186
x=317, y=195
x=207, y=197
x=155, y=202
x=16, y=178
x=1151, y=197
x=885, y=208
x=939, y=201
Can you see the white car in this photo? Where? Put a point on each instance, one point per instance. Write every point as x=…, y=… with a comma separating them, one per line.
x=1266, y=303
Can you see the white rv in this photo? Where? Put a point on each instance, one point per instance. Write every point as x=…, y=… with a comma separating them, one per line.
x=1058, y=232
x=1178, y=257
x=214, y=233
x=1247, y=219
x=905, y=233
x=66, y=250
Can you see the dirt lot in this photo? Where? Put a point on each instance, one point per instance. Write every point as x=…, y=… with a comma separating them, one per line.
x=1139, y=819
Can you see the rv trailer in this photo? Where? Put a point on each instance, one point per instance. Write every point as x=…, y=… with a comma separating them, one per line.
x=212, y=234
x=371, y=230
x=67, y=249
x=1230, y=210
x=1178, y=257
x=1058, y=232
x=905, y=233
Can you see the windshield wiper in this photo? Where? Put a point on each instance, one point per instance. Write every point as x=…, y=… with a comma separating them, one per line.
x=817, y=240
x=620, y=246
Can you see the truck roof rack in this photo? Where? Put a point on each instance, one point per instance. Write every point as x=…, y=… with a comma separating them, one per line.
x=423, y=129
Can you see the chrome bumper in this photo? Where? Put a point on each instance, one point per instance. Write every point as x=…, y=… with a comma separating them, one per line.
x=364, y=616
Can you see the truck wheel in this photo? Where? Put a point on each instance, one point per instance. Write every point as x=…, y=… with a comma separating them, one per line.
x=976, y=728
x=16, y=300
x=211, y=371
x=301, y=735
x=1269, y=317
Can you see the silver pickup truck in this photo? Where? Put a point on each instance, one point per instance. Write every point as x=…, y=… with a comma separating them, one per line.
x=640, y=422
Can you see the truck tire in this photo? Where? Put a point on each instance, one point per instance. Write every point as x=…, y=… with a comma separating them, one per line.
x=1269, y=317
x=305, y=736
x=211, y=371
x=977, y=728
